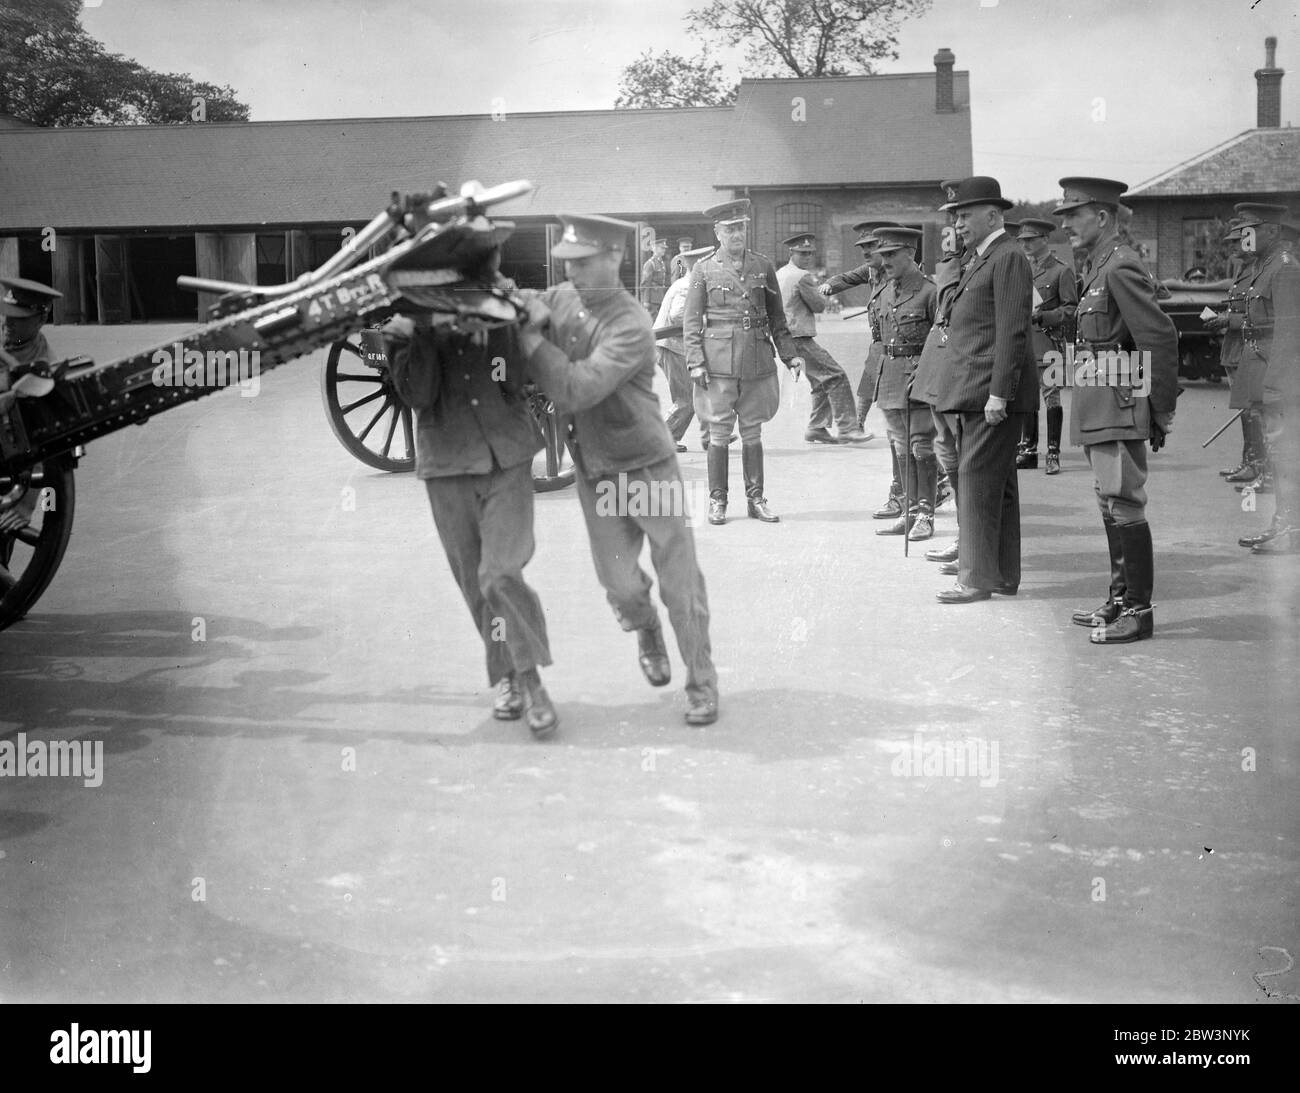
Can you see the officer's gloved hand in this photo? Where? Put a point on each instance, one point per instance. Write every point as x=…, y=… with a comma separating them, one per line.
x=1161, y=426
x=700, y=375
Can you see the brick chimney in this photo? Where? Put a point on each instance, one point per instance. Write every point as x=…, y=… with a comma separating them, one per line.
x=943, y=62
x=1268, y=82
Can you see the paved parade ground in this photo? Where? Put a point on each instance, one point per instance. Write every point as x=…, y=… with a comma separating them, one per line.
x=313, y=802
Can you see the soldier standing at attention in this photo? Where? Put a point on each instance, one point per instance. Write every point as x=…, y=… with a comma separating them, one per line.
x=733, y=316
x=597, y=362
x=1272, y=350
x=907, y=311
x=1053, y=325
x=1112, y=417
x=654, y=277
x=832, y=395
x=679, y=266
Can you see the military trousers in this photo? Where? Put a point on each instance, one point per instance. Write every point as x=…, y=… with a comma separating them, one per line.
x=1119, y=470
x=727, y=401
x=485, y=522
x=1282, y=435
x=618, y=527
x=832, y=394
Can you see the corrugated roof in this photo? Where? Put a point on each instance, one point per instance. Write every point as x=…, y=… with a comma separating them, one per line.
x=1258, y=161
x=858, y=130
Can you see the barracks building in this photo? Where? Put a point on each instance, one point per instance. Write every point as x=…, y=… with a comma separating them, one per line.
x=112, y=215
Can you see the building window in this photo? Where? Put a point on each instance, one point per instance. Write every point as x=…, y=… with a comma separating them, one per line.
x=270, y=259
x=1200, y=243
x=797, y=217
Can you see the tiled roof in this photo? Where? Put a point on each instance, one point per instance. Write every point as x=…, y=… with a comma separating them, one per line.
x=1258, y=161
x=863, y=130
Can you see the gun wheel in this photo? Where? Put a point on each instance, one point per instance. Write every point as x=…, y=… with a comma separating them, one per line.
x=363, y=409
x=30, y=556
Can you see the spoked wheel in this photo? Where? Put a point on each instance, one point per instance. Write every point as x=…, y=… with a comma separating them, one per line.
x=363, y=409
x=30, y=555
x=553, y=465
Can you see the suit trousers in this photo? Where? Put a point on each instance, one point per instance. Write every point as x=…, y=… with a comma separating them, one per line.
x=1119, y=469
x=485, y=522
x=679, y=390
x=1282, y=435
x=616, y=541
x=832, y=394
x=988, y=503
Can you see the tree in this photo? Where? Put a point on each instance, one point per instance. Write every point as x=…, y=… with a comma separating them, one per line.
x=53, y=73
x=808, y=38
x=668, y=79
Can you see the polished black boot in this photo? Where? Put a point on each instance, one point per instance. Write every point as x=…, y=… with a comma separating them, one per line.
x=751, y=462
x=1137, y=620
x=1109, y=611
x=718, y=471
x=1029, y=433
x=1055, y=416
x=1270, y=532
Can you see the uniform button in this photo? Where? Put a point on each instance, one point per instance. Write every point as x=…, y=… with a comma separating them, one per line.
x=473, y=402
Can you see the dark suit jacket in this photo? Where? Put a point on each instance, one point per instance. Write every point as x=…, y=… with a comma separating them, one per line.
x=987, y=351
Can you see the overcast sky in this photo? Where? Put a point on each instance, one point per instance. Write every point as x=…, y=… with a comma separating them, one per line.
x=1176, y=76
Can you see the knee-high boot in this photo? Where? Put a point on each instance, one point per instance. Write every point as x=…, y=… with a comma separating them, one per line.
x=718, y=470
x=1138, y=619
x=751, y=461
x=1114, y=605
x=1055, y=418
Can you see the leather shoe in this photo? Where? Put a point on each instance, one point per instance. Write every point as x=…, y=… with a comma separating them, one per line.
x=1263, y=483
x=1134, y=624
x=681, y=447
x=758, y=510
x=942, y=554
x=1107, y=613
x=901, y=526
x=509, y=703
x=540, y=714
x=1053, y=463
x=1027, y=460
x=653, y=656
x=819, y=436
x=702, y=711
x=717, y=510
x=950, y=569
x=959, y=593
x=1249, y=541
x=890, y=510
x=922, y=528
x=1006, y=590
x=1247, y=472
x=855, y=437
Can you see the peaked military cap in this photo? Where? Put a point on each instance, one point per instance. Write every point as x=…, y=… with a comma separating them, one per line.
x=1031, y=228
x=698, y=252
x=685, y=239
x=1011, y=227
x=1081, y=191
x=25, y=299
x=976, y=190
x=889, y=240
x=661, y=242
x=729, y=212
x=584, y=236
x=804, y=242
x=1253, y=213
x=868, y=228
x=1234, y=229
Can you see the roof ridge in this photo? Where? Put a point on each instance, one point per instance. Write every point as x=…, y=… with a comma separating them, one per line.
x=1186, y=164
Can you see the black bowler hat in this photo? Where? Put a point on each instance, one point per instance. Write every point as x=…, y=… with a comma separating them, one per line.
x=1081, y=191
x=584, y=236
x=1253, y=213
x=804, y=243
x=729, y=212
x=26, y=299
x=889, y=240
x=1032, y=228
x=977, y=190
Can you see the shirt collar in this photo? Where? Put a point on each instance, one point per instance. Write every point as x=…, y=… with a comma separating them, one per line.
x=988, y=241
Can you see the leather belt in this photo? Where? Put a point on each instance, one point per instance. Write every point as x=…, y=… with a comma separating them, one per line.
x=903, y=350
x=744, y=323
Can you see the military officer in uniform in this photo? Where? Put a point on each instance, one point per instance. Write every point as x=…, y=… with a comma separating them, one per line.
x=654, y=277
x=26, y=306
x=1271, y=349
x=1111, y=416
x=1056, y=297
x=592, y=350
x=1228, y=325
x=907, y=311
x=733, y=316
x=831, y=393
x=680, y=266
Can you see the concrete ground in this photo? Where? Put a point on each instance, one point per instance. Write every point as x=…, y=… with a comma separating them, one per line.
x=313, y=802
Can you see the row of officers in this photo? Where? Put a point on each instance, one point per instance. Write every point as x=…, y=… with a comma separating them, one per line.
x=959, y=362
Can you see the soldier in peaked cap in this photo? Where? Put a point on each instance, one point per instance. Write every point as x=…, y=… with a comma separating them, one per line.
x=679, y=268
x=733, y=316
x=832, y=397
x=1120, y=410
x=597, y=361
x=672, y=353
x=1271, y=344
x=907, y=311
x=1056, y=296
x=654, y=277
x=1228, y=324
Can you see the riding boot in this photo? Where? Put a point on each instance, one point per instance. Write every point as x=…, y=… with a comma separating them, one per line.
x=751, y=462
x=1029, y=432
x=718, y=471
x=1138, y=618
x=1110, y=610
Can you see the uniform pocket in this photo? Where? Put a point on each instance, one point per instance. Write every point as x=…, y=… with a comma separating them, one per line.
x=1094, y=323
x=718, y=353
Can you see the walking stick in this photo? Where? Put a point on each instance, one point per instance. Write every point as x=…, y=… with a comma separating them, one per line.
x=907, y=461
x=1225, y=426
x=854, y=314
